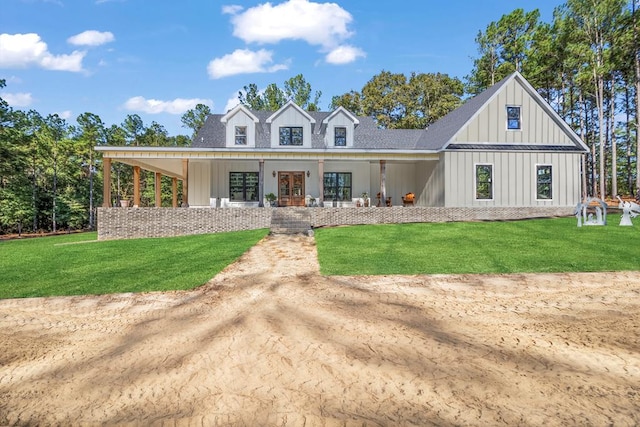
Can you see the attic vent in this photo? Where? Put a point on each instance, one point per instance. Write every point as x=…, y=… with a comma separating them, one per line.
x=202, y=139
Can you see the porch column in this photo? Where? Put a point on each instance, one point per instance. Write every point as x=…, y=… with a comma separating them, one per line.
x=106, y=182
x=321, y=183
x=261, y=183
x=136, y=186
x=158, y=187
x=174, y=192
x=185, y=183
x=383, y=183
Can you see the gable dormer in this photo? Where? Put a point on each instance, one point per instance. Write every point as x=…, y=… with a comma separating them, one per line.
x=240, y=127
x=340, y=126
x=291, y=126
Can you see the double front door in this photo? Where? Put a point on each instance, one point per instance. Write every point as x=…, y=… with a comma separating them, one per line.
x=291, y=189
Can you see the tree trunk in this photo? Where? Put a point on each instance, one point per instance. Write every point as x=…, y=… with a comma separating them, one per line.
x=614, y=148
x=637, y=69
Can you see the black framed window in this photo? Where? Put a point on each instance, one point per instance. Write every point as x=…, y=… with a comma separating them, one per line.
x=337, y=186
x=340, y=137
x=543, y=182
x=241, y=135
x=484, y=182
x=243, y=186
x=513, y=118
x=290, y=135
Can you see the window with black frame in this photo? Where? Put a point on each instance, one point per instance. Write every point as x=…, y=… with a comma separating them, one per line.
x=337, y=186
x=290, y=135
x=340, y=137
x=484, y=182
x=543, y=182
x=243, y=186
x=513, y=118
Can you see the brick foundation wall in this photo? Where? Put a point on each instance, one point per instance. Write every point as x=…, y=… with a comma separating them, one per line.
x=127, y=223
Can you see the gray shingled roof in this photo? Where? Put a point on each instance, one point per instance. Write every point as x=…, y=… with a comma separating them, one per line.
x=440, y=133
x=367, y=135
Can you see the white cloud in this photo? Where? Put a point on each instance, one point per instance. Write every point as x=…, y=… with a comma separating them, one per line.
x=91, y=38
x=231, y=9
x=17, y=99
x=66, y=114
x=243, y=61
x=323, y=24
x=25, y=50
x=344, y=55
x=154, y=106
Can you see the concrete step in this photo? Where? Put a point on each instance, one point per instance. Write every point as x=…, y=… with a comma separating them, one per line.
x=290, y=221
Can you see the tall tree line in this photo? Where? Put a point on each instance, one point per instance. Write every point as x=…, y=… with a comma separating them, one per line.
x=586, y=64
x=50, y=175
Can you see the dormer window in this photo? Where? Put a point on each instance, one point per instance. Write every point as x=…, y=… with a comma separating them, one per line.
x=514, y=121
x=241, y=135
x=290, y=135
x=340, y=136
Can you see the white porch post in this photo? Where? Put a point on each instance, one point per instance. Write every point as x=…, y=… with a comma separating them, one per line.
x=261, y=183
x=383, y=182
x=321, y=183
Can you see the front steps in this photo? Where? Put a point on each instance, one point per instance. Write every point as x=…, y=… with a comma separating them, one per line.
x=290, y=220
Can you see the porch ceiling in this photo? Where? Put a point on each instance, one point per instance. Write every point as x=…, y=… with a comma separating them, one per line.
x=154, y=155
x=167, y=167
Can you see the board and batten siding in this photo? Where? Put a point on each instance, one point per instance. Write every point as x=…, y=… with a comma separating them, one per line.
x=430, y=183
x=514, y=178
x=339, y=120
x=290, y=117
x=240, y=119
x=199, y=183
x=490, y=124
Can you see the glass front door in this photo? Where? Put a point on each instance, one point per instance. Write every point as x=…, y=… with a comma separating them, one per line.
x=291, y=188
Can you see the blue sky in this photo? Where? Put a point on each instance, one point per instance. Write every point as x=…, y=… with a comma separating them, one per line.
x=159, y=58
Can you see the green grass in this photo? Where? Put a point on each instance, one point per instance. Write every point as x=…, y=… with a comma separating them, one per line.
x=78, y=264
x=541, y=245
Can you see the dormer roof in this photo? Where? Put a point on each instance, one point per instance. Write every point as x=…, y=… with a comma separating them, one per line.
x=235, y=110
x=339, y=110
x=290, y=104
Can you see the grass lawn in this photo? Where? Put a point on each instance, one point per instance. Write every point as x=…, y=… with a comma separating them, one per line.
x=540, y=245
x=78, y=264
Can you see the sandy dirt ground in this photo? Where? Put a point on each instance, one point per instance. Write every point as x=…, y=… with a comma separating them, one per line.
x=271, y=342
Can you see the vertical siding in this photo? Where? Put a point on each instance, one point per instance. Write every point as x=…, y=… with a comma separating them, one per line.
x=429, y=183
x=490, y=125
x=514, y=178
x=290, y=117
x=199, y=183
x=341, y=120
x=240, y=119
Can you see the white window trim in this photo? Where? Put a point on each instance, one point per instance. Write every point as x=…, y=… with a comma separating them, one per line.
x=506, y=123
x=280, y=126
x=246, y=135
x=346, y=136
x=475, y=182
x=535, y=182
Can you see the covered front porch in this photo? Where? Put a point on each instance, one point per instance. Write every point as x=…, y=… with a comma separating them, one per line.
x=225, y=178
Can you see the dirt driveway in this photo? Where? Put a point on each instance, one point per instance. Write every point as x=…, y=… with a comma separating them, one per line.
x=271, y=342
